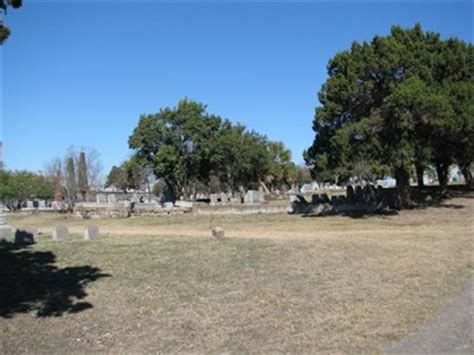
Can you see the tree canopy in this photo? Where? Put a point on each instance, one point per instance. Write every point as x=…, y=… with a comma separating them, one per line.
x=19, y=186
x=187, y=147
x=397, y=102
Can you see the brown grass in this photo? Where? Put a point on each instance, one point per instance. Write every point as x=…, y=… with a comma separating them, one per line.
x=279, y=283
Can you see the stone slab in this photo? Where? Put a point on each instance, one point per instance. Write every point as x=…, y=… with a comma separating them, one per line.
x=91, y=232
x=6, y=234
x=26, y=236
x=60, y=232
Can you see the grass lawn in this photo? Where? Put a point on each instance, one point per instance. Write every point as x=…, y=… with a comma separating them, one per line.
x=277, y=283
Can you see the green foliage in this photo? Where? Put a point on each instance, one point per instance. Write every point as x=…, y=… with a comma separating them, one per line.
x=131, y=174
x=83, y=184
x=18, y=186
x=4, y=4
x=188, y=147
x=396, y=101
x=71, y=179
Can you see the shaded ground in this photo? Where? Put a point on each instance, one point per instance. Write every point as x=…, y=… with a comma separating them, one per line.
x=451, y=331
x=278, y=283
x=30, y=281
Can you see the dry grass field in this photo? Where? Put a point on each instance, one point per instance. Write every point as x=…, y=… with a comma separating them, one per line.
x=276, y=283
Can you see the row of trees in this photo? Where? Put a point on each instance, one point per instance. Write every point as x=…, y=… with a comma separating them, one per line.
x=16, y=187
x=397, y=103
x=75, y=174
x=191, y=150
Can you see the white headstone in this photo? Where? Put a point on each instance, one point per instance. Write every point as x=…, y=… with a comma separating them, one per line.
x=60, y=232
x=91, y=232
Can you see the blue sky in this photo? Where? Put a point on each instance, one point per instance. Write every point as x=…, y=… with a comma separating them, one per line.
x=81, y=72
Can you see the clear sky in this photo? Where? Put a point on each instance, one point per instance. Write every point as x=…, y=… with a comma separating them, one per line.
x=81, y=72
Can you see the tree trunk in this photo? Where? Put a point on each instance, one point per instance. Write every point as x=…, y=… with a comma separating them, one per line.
x=442, y=171
x=420, y=170
x=403, y=187
x=466, y=172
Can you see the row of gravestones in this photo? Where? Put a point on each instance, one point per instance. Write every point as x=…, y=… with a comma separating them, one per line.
x=29, y=236
x=368, y=194
x=62, y=232
x=250, y=197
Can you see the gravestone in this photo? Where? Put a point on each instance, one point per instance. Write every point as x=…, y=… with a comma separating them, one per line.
x=350, y=193
x=213, y=199
x=223, y=197
x=101, y=198
x=111, y=198
x=218, y=232
x=91, y=232
x=168, y=205
x=252, y=197
x=6, y=232
x=183, y=204
x=26, y=236
x=30, y=204
x=369, y=192
x=42, y=204
x=60, y=232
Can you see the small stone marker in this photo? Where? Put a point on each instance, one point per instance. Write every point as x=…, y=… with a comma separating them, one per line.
x=60, y=232
x=218, y=232
x=213, y=199
x=26, y=236
x=91, y=233
x=6, y=232
x=183, y=204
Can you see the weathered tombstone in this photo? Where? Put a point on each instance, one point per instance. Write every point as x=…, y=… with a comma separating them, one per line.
x=91, y=232
x=26, y=236
x=213, y=199
x=183, y=204
x=6, y=232
x=168, y=205
x=369, y=192
x=60, y=232
x=350, y=193
x=111, y=198
x=223, y=197
x=261, y=197
x=30, y=204
x=218, y=232
x=41, y=203
x=252, y=197
x=101, y=198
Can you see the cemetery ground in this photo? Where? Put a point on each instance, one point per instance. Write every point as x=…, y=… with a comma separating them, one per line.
x=274, y=283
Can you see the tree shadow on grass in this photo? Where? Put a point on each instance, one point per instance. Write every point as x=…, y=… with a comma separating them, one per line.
x=30, y=281
x=357, y=214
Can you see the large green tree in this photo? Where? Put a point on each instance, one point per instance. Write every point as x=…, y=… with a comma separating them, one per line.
x=187, y=147
x=386, y=108
x=19, y=186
